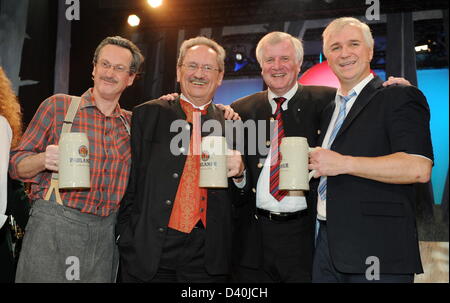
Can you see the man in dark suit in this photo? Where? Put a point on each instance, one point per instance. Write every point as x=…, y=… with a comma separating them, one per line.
x=275, y=229
x=376, y=146
x=274, y=236
x=170, y=229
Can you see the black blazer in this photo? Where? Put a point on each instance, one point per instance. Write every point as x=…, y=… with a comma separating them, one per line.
x=369, y=218
x=155, y=174
x=302, y=118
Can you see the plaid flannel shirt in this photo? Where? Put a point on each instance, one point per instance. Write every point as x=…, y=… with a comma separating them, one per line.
x=109, y=152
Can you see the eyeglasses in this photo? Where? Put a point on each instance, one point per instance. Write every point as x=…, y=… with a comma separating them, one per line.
x=117, y=68
x=193, y=67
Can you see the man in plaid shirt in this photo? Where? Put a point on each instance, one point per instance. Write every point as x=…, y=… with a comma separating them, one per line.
x=75, y=241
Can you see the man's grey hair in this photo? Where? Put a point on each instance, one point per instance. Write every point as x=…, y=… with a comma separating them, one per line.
x=137, y=60
x=275, y=38
x=337, y=24
x=200, y=40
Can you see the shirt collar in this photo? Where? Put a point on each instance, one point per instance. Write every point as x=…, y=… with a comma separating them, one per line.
x=358, y=87
x=288, y=95
x=193, y=105
x=88, y=100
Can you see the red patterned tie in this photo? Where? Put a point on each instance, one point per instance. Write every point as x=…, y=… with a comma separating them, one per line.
x=275, y=153
x=191, y=200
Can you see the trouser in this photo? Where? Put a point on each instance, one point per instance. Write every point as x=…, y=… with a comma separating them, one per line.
x=287, y=251
x=61, y=244
x=182, y=260
x=324, y=270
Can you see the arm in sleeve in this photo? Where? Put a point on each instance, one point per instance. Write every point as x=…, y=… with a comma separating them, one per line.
x=34, y=141
x=407, y=126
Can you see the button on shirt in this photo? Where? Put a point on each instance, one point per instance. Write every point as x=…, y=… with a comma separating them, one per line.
x=321, y=204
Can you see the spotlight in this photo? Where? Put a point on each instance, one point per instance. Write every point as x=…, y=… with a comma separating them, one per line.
x=240, y=61
x=154, y=3
x=421, y=48
x=133, y=20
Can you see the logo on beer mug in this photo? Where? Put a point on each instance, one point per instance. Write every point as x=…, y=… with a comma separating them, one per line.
x=83, y=151
x=205, y=156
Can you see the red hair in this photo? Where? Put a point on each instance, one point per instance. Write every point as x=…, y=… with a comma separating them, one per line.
x=10, y=108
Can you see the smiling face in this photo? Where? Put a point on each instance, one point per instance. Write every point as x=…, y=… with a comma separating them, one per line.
x=348, y=55
x=199, y=84
x=108, y=82
x=280, y=66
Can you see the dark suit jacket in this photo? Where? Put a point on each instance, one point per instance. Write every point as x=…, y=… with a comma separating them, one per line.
x=155, y=174
x=369, y=218
x=302, y=118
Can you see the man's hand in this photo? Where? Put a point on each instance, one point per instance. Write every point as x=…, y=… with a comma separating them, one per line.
x=169, y=97
x=51, y=158
x=396, y=80
x=327, y=162
x=229, y=113
x=235, y=165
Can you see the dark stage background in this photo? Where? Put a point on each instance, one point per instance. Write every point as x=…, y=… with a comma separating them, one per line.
x=44, y=53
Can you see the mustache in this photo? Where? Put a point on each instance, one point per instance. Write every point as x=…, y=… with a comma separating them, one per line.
x=201, y=80
x=109, y=79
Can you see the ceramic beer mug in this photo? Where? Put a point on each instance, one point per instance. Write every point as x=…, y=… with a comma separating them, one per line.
x=213, y=162
x=74, y=161
x=294, y=173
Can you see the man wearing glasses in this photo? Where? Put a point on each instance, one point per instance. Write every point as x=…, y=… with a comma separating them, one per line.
x=169, y=228
x=73, y=239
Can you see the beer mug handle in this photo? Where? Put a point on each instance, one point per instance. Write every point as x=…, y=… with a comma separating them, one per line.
x=311, y=173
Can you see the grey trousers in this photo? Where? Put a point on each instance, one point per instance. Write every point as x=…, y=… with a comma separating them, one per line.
x=62, y=244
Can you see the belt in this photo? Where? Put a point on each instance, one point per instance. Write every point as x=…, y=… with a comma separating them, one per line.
x=281, y=217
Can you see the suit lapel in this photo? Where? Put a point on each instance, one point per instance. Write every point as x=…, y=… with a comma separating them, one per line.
x=213, y=113
x=326, y=119
x=361, y=101
x=293, y=117
x=264, y=111
x=176, y=107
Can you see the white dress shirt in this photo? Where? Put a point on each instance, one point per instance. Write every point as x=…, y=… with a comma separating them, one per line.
x=5, y=144
x=193, y=105
x=321, y=204
x=295, y=200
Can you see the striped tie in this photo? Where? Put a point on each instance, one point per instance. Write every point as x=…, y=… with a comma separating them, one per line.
x=275, y=153
x=337, y=125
